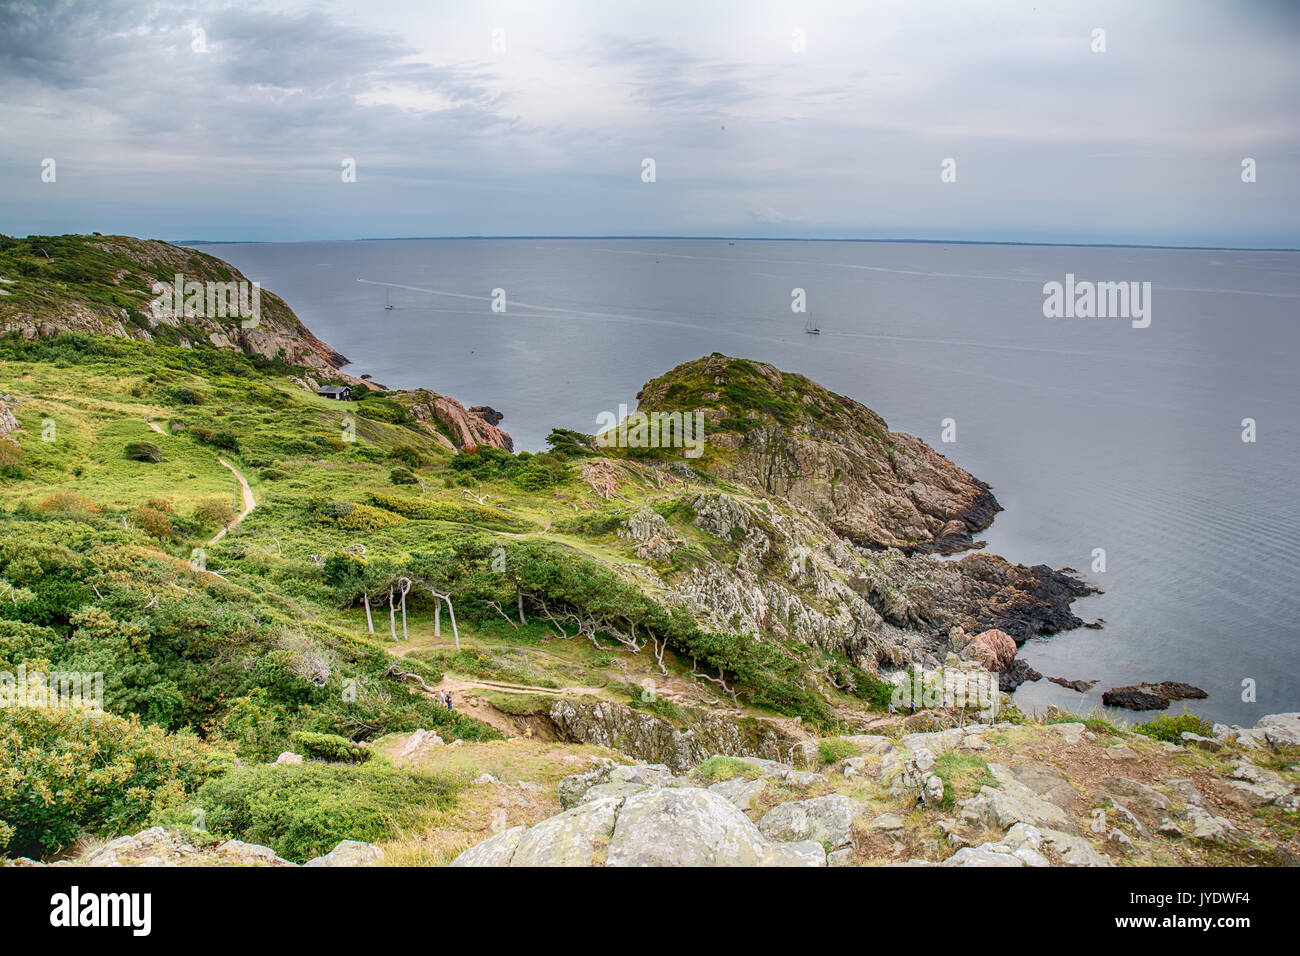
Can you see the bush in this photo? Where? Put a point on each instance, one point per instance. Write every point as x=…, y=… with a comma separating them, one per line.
x=68, y=502
x=152, y=522
x=217, y=439
x=1171, y=728
x=213, y=514
x=329, y=747
x=142, y=451
x=402, y=476
x=66, y=773
x=305, y=810
x=407, y=455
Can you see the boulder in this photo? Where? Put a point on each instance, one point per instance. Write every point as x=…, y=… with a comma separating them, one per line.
x=740, y=792
x=349, y=853
x=827, y=820
x=494, y=851
x=1281, y=730
x=576, y=837
x=1002, y=807
x=993, y=648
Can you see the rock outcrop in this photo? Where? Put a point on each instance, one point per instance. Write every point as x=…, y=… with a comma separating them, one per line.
x=644, y=736
x=466, y=428
x=43, y=308
x=659, y=820
x=789, y=438
x=1151, y=696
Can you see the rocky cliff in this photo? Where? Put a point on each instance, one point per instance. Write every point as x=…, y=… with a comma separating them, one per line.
x=787, y=437
x=111, y=286
x=105, y=285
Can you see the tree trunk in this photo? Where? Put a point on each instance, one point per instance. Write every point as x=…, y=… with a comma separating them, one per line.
x=392, y=616
x=455, y=633
x=519, y=599
x=370, y=622
x=403, y=615
x=437, y=618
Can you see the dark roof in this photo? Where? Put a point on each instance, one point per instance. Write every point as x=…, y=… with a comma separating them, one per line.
x=333, y=389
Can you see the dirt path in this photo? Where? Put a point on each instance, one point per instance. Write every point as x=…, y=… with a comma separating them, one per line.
x=249, y=503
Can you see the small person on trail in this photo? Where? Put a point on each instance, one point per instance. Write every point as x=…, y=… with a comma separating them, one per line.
x=449, y=704
x=528, y=733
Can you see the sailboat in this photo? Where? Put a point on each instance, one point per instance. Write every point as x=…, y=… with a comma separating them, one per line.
x=811, y=327
x=387, y=300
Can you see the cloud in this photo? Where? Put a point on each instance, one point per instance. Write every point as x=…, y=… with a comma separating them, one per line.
x=243, y=137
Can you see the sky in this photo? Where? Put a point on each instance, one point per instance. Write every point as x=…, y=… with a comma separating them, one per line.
x=235, y=121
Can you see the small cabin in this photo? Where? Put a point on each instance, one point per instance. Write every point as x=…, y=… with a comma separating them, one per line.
x=342, y=393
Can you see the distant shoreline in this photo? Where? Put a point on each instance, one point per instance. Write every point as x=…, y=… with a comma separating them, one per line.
x=929, y=242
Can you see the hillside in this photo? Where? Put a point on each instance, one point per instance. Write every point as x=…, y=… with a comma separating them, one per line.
x=787, y=437
x=274, y=679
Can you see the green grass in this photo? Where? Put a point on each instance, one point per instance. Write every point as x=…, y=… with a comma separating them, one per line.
x=717, y=769
x=962, y=775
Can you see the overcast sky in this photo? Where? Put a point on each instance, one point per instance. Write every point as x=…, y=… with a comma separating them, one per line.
x=244, y=137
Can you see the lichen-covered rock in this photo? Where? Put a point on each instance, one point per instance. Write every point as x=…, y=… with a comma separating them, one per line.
x=349, y=853
x=657, y=826
x=827, y=820
x=577, y=837
x=692, y=827
x=1281, y=730
x=645, y=736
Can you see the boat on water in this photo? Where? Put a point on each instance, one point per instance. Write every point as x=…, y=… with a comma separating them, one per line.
x=388, y=304
x=811, y=326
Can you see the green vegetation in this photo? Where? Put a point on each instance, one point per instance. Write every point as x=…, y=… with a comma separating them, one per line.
x=717, y=769
x=1170, y=727
x=962, y=775
x=302, y=811
x=834, y=749
x=329, y=747
x=66, y=773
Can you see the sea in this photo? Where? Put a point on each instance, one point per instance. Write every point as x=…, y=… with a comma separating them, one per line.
x=1156, y=454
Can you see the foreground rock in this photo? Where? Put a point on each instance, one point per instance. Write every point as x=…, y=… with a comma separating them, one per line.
x=656, y=826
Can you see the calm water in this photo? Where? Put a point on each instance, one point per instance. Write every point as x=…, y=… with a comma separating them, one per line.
x=1093, y=434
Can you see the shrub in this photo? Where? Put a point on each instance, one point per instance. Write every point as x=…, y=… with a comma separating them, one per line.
x=152, y=522
x=329, y=747
x=11, y=460
x=402, y=476
x=304, y=810
x=142, y=451
x=214, y=514
x=1171, y=728
x=68, y=502
x=407, y=455
x=355, y=517
x=217, y=439
x=66, y=773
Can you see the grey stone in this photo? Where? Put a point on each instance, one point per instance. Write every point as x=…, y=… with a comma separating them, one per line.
x=827, y=820
x=349, y=853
